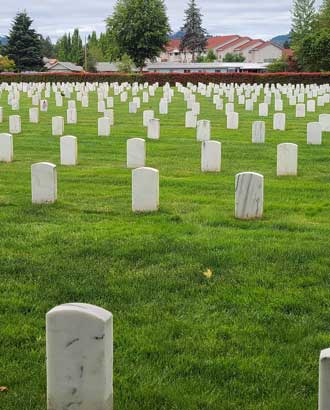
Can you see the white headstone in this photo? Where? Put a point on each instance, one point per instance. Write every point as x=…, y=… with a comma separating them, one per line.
x=324, y=380
x=249, y=195
x=147, y=116
x=314, y=133
x=6, y=148
x=69, y=150
x=154, y=129
x=136, y=153
x=79, y=340
x=300, y=111
x=132, y=108
x=232, y=121
x=211, y=156
x=109, y=113
x=311, y=106
x=203, y=130
x=71, y=116
x=43, y=105
x=258, y=132
x=163, y=107
x=1, y=114
x=57, y=125
x=43, y=183
x=104, y=127
x=279, y=121
x=287, y=159
x=324, y=120
x=15, y=124
x=191, y=120
x=263, y=110
x=145, y=189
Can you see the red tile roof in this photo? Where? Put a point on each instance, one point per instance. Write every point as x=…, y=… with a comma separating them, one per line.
x=249, y=44
x=288, y=52
x=172, y=45
x=267, y=43
x=217, y=41
x=233, y=43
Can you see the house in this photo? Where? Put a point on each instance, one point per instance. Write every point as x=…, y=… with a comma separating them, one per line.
x=253, y=50
x=55, y=66
x=217, y=67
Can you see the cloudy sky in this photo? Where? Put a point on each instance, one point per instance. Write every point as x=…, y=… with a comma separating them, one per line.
x=257, y=18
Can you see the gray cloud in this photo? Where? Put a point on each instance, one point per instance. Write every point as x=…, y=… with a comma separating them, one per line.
x=260, y=18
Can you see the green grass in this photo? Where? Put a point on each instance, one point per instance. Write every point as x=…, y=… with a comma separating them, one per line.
x=248, y=338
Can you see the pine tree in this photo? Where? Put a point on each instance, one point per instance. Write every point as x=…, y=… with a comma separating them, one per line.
x=195, y=36
x=24, y=45
x=77, y=49
x=303, y=16
x=47, y=47
x=138, y=28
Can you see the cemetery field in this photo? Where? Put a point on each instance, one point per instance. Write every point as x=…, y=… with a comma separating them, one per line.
x=247, y=336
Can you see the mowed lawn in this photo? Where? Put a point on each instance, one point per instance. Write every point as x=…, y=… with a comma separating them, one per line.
x=247, y=338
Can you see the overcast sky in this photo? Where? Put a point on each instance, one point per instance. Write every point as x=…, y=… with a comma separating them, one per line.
x=256, y=18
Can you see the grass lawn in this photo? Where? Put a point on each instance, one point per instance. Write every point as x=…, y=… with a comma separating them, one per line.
x=247, y=338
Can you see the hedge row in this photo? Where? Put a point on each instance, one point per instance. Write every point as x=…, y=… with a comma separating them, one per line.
x=172, y=78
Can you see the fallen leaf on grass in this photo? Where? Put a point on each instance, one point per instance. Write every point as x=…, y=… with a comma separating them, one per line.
x=3, y=389
x=208, y=274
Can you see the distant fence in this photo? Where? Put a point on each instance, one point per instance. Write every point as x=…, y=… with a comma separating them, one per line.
x=172, y=78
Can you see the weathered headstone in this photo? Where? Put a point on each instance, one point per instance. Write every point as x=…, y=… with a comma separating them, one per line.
x=287, y=159
x=191, y=120
x=43, y=183
x=145, y=189
x=211, y=156
x=79, y=339
x=258, y=132
x=154, y=129
x=279, y=121
x=232, y=121
x=71, y=116
x=324, y=120
x=15, y=124
x=147, y=116
x=249, y=195
x=203, y=130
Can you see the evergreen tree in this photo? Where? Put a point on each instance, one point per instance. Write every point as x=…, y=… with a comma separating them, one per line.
x=77, y=49
x=24, y=45
x=195, y=36
x=138, y=28
x=47, y=47
x=323, y=19
x=303, y=16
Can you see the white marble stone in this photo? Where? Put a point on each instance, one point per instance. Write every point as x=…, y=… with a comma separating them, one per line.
x=109, y=113
x=15, y=124
x=263, y=110
x=249, y=195
x=43, y=183
x=278, y=105
x=154, y=129
x=101, y=106
x=211, y=156
x=145, y=189
x=191, y=120
x=85, y=101
x=163, y=107
x=300, y=110
x=71, y=116
x=232, y=121
x=110, y=102
x=69, y=150
x=71, y=105
x=58, y=100
x=79, y=347
x=258, y=132
x=1, y=114
x=203, y=131
x=287, y=159
x=145, y=97
x=279, y=121
x=136, y=153
x=104, y=127
x=314, y=133
x=6, y=148
x=147, y=116
x=311, y=106
x=324, y=120
x=132, y=108
x=43, y=105
x=249, y=105
x=229, y=108
x=34, y=115
x=324, y=380
x=57, y=126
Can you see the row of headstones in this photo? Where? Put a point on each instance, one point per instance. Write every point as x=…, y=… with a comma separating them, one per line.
x=79, y=351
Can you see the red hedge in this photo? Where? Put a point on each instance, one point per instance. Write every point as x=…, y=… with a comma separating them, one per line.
x=172, y=78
